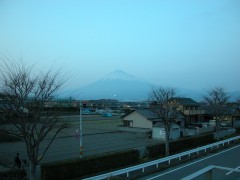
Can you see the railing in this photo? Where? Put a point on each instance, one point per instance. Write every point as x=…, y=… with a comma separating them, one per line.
x=162, y=160
x=194, y=112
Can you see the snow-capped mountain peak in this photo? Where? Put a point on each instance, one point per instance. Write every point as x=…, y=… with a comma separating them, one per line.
x=116, y=84
x=119, y=75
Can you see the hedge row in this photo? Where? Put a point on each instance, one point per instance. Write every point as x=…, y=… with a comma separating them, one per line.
x=8, y=138
x=60, y=109
x=18, y=174
x=88, y=166
x=179, y=146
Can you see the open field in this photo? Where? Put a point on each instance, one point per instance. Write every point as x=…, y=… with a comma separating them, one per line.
x=100, y=136
x=92, y=124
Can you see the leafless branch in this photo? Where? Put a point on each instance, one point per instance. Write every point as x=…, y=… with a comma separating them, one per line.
x=24, y=93
x=166, y=109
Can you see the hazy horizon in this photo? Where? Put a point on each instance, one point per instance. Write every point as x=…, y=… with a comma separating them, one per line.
x=184, y=44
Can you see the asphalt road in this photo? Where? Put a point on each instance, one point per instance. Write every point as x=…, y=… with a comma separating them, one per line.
x=226, y=158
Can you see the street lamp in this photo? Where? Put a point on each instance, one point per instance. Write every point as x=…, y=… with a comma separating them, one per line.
x=80, y=129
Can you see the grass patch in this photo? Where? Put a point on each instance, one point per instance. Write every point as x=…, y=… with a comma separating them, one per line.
x=8, y=138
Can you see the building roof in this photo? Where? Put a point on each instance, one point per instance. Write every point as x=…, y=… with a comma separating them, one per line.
x=147, y=113
x=186, y=101
x=144, y=112
x=152, y=116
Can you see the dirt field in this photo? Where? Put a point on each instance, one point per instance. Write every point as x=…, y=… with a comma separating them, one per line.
x=100, y=135
x=91, y=124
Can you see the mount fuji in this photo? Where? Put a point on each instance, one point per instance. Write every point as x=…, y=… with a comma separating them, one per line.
x=117, y=85
x=122, y=86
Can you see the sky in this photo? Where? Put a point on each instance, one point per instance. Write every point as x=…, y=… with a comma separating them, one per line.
x=186, y=44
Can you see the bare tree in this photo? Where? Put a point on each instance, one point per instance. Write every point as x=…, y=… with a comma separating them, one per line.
x=238, y=101
x=166, y=109
x=24, y=95
x=217, y=100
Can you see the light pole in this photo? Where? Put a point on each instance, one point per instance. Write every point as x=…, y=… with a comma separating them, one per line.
x=80, y=129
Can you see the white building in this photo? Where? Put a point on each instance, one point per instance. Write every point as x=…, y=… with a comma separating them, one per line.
x=158, y=131
x=141, y=118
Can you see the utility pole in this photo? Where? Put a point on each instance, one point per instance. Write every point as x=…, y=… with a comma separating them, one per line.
x=80, y=129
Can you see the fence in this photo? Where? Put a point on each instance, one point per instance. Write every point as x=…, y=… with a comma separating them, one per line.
x=162, y=160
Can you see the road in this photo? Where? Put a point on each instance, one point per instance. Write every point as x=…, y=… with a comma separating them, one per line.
x=227, y=158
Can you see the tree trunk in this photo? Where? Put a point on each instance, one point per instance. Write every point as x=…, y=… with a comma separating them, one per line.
x=217, y=129
x=166, y=143
x=33, y=171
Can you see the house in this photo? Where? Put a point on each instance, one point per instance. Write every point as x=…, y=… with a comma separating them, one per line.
x=140, y=118
x=158, y=131
x=144, y=118
x=232, y=116
x=236, y=118
x=101, y=104
x=192, y=111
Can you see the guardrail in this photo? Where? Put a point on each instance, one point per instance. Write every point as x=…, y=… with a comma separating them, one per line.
x=162, y=160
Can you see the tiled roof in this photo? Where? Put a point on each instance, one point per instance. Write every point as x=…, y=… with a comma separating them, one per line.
x=150, y=115
x=186, y=101
x=144, y=112
x=147, y=113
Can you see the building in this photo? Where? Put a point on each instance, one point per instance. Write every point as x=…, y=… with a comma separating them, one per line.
x=231, y=117
x=145, y=118
x=192, y=111
x=158, y=131
x=140, y=118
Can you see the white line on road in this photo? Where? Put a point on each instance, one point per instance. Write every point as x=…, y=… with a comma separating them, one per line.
x=232, y=171
x=193, y=163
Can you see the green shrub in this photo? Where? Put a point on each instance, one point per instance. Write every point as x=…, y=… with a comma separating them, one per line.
x=18, y=174
x=189, y=143
x=88, y=166
x=179, y=146
x=62, y=110
x=157, y=150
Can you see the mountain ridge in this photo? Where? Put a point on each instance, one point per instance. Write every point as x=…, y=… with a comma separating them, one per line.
x=122, y=86
x=115, y=85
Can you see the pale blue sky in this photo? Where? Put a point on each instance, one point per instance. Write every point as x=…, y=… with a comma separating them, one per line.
x=192, y=44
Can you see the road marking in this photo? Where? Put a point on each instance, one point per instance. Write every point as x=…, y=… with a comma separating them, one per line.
x=232, y=171
x=193, y=163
